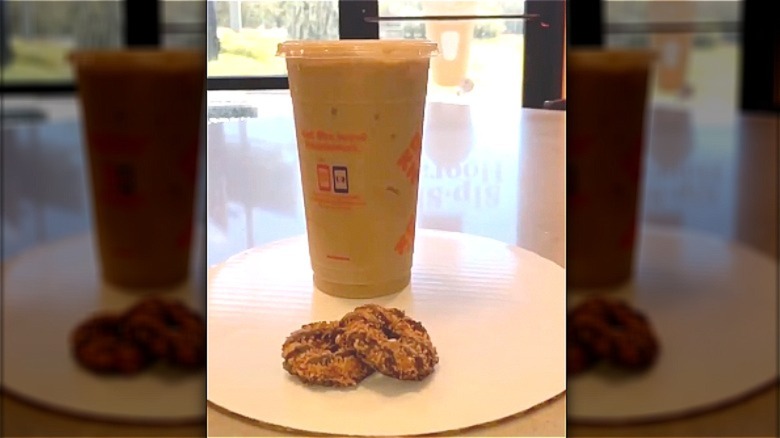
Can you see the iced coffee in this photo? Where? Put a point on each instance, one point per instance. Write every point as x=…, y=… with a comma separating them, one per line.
x=359, y=109
x=142, y=113
x=606, y=100
x=454, y=38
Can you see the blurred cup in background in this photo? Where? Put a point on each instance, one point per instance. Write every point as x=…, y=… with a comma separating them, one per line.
x=607, y=97
x=142, y=113
x=454, y=38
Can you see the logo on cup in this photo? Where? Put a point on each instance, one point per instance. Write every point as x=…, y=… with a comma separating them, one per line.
x=323, y=177
x=341, y=179
x=118, y=185
x=335, y=180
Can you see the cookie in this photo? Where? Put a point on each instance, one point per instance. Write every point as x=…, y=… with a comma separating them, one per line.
x=169, y=330
x=389, y=341
x=312, y=354
x=611, y=330
x=578, y=358
x=98, y=345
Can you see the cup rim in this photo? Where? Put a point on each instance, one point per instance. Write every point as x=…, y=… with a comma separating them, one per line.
x=623, y=54
x=351, y=49
x=138, y=58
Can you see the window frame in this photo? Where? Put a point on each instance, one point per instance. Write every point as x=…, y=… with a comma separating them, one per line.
x=760, y=58
x=352, y=25
x=545, y=45
x=759, y=69
x=546, y=76
x=141, y=26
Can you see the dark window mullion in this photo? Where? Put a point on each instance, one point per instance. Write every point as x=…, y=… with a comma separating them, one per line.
x=543, y=66
x=247, y=83
x=37, y=88
x=760, y=46
x=352, y=19
x=142, y=23
x=585, y=22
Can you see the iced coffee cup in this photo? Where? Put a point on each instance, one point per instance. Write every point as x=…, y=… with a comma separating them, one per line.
x=454, y=38
x=359, y=108
x=142, y=114
x=606, y=105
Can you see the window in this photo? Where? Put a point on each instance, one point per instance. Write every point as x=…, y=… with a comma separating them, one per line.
x=697, y=43
x=248, y=33
x=478, y=60
x=37, y=35
x=481, y=59
x=183, y=24
x=709, y=35
x=242, y=37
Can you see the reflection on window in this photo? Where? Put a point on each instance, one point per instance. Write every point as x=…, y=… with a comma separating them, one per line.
x=693, y=69
x=248, y=32
x=480, y=59
x=39, y=34
x=183, y=24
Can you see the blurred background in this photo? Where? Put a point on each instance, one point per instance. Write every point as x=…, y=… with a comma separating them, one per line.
x=44, y=197
x=709, y=202
x=724, y=51
x=37, y=85
x=716, y=76
x=38, y=34
x=35, y=77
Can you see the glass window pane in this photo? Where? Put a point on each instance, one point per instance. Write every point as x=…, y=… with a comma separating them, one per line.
x=184, y=24
x=183, y=11
x=672, y=11
x=699, y=70
x=479, y=60
x=39, y=34
x=183, y=40
x=244, y=34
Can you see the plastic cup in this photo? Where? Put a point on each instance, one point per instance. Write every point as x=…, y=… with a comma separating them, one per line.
x=606, y=105
x=455, y=37
x=142, y=114
x=359, y=111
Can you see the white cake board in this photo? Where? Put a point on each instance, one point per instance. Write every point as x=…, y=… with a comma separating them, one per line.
x=496, y=314
x=714, y=306
x=50, y=289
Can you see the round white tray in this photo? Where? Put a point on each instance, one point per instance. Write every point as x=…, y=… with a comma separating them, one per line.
x=496, y=314
x=714, y=305
x=47, y=291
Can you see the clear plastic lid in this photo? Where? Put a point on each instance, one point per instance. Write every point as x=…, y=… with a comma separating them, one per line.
x=611, y=58
x=139, y=59
x=385, y=49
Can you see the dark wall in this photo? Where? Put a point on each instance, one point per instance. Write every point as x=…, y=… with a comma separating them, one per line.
x=5, y=43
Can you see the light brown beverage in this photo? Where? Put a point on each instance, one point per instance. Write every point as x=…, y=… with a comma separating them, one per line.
x=454, y=38
x=606, y=105
x=359, y=108
x=674, y=54
x=142, y=115
x=674, y=49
